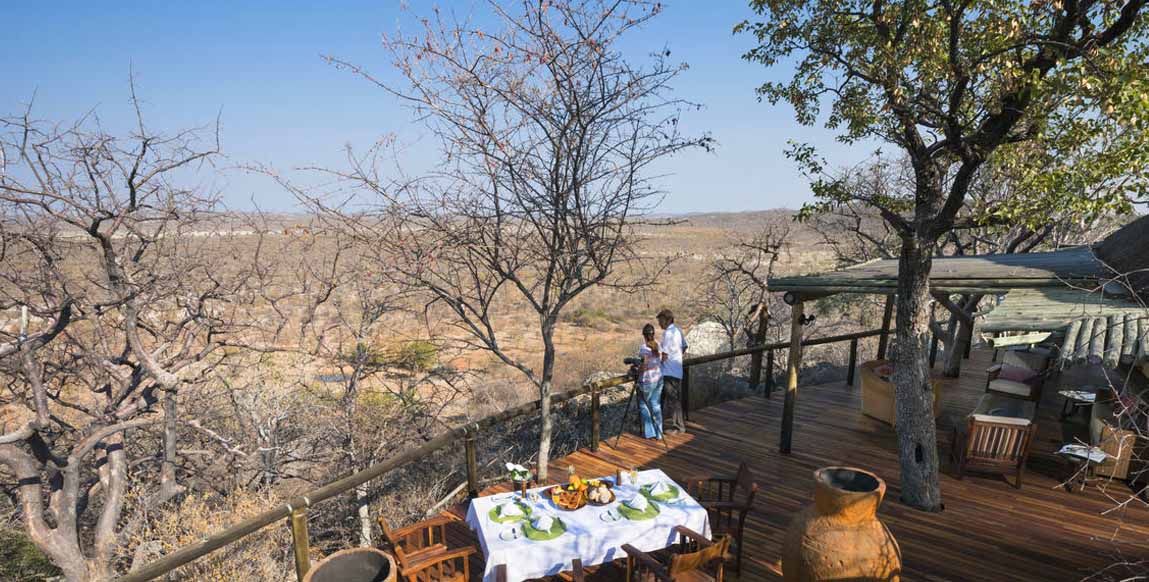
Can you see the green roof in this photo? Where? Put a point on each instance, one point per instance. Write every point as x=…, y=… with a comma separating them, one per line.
x=970, y=274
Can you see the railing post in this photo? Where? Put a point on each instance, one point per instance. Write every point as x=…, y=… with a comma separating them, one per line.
x=933, y=350
x=595, y=420
x=755, y=370
x=793, y=365
x=472, y=464
x=769, y=373
x=685, y=396
x=300, y=544
x=853, y=362
x=884, y=340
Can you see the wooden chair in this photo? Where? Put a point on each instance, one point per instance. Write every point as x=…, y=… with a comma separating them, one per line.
x=993, y=443
x=447, y=566
x=422, y=553
x=1019, y=375
x=576, y=574
x=728, y=500
x=688, y=559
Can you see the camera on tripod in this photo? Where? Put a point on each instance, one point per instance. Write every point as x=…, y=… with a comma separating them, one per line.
x=634, y=364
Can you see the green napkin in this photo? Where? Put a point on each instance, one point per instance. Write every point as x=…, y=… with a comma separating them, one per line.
x=635, y=515
x=557, y=529
x=495, y=517
x=672, y=492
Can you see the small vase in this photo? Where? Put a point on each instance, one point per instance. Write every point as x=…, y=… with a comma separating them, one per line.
x=839, y=537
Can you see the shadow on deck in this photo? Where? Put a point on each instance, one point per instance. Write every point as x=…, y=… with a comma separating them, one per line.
x=989, y=530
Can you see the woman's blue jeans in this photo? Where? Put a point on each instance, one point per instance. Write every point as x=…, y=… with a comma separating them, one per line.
x=651, y=394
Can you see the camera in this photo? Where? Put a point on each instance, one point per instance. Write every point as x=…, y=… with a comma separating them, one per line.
x=634, y=364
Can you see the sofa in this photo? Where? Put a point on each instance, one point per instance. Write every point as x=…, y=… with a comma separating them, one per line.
x=1105, y=433
x=878, y=392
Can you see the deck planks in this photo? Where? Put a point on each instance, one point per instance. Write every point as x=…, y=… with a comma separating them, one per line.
x=989, y=530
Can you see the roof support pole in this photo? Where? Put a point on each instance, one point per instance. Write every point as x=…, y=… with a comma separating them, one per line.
x=795, y=362
x=884, y=340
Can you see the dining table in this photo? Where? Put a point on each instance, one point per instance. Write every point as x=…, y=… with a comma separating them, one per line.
x=594, y=534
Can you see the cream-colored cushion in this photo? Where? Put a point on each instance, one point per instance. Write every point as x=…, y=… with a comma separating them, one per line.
x=1001, y=419
x=1032, y=361
x=1010, y=387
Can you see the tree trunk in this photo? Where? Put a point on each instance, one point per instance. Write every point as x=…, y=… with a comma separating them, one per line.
x=758, y=339
x=363, y=510
x=955, y=351
x=917, y=435
x=169, y=486
x=962, y=337
x=545, y=401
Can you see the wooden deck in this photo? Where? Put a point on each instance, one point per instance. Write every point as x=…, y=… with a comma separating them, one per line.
x=988, y=531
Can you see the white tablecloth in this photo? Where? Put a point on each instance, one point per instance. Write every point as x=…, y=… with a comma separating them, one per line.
x=587, y=537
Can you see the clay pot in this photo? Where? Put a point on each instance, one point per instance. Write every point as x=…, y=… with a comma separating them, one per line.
x=354, y=565
x=839, y=537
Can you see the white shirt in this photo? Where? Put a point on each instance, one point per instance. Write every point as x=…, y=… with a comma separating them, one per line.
x=651, y=365
x=672, y=344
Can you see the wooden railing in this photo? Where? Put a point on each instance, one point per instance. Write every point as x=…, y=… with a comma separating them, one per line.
x=294, y=511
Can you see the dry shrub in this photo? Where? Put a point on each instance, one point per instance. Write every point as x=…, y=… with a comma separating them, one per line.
x=264, y=555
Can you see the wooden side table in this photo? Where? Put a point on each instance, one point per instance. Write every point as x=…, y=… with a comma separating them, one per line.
x=1079, y=399
x=1081, y=461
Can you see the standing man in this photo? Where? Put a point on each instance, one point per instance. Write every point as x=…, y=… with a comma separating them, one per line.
x=672, y=346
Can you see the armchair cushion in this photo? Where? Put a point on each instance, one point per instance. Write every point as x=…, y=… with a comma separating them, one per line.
x=1035, y=361
x=1001, y=419
x=1010, y=387
x=1018, y=374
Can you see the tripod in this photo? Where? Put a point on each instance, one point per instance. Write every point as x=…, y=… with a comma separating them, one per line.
x=644, y=401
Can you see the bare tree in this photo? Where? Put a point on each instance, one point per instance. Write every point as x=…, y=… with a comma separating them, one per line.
x=548, y=137
x=108, y=254
x=381, y=388
x=735, y=293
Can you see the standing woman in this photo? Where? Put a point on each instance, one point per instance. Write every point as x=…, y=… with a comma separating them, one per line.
x=650, y=385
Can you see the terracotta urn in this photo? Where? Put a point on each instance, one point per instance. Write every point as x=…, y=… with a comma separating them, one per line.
x=839, y=537
x=354, y=565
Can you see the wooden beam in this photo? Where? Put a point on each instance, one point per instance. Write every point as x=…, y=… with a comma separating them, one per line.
x=1021, y=340
x=1097, y=340
x=1114, y=337
x=884, y=340
x=1129, y=345
x=795, y=297
x=953, y=308
x=794, y=362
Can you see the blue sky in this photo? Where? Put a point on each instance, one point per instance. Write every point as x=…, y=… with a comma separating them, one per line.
x=258, y=65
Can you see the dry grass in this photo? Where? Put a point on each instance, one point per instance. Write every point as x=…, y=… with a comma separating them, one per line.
x=264, y=555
